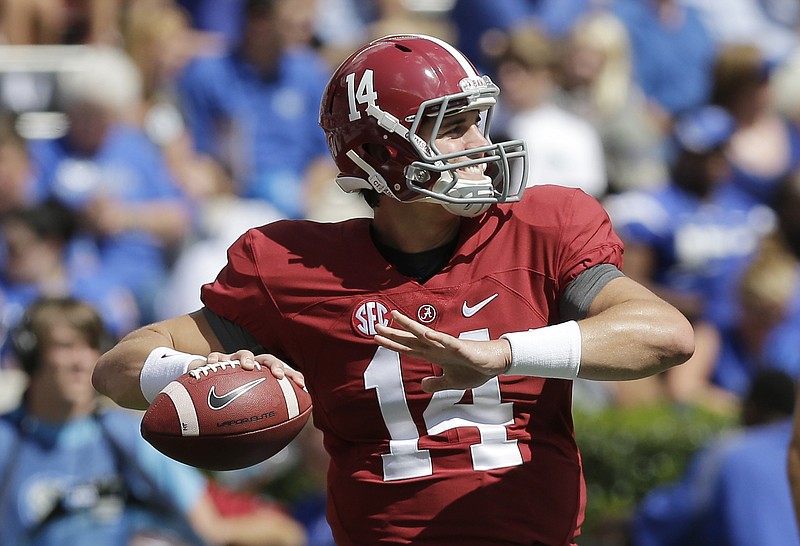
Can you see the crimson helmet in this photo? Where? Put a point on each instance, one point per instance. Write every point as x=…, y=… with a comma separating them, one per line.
x=371, y=113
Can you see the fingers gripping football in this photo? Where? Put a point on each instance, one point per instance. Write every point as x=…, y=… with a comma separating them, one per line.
x=465, y=363
x=250, y=361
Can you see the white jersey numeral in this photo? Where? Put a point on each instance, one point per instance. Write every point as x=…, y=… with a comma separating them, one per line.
x=487, y=413
x=365, y=94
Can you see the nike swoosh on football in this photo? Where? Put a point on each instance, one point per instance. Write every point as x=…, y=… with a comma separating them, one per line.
x=218, y=402
x=468, y=310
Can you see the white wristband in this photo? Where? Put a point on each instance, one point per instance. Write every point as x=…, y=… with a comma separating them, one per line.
x=162, y=366
x=552, y=351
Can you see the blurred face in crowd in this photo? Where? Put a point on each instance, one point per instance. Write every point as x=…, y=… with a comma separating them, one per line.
x=716, y=166
x=89, y=126
x=296, y=20
x=14, y=175
x=787, y=207
x=701, y=172
x=583, y=64
x=29, y=257
x=262, y=40
x=66, y=361
x=524, y=87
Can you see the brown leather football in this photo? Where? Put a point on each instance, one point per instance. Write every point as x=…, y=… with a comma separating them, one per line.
x=221, y=417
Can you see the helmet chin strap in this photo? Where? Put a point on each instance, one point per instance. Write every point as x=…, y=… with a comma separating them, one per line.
x=464, y=189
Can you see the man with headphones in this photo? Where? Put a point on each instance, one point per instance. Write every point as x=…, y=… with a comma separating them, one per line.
x=75, y=472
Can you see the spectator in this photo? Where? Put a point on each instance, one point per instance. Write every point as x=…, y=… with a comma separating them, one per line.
x=735, y=491
x=784, y=82
x=477, y=22
x=224, y=19
x=768, y=312
x=793, y=464
x=764, y=315
x=786, y=205
x=224, y=218
x=16, y=171
x=564, y=148
x=763, y=334
x=786, y=238
x=340, y=25
x=673, y=53
x=107, y=170
x=766, y=145
x=75, y=472
x=690, y=240
x=161, y=43
x=44, y=258
x=49, y=22
x=597, y=84
x=396, y=17
x=771, y=25
x=255, y=110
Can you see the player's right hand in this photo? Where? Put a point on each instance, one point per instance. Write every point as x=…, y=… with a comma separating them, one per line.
x=465, y=363
x=248, y=361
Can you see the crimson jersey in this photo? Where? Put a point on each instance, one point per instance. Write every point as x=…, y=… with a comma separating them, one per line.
x=496, y=464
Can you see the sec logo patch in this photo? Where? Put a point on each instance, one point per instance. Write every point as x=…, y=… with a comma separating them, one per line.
x=367, y=315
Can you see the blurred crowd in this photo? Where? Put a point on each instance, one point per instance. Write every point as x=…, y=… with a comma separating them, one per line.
x=139, y=138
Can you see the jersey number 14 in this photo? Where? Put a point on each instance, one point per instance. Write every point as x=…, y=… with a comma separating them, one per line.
x=486, y=412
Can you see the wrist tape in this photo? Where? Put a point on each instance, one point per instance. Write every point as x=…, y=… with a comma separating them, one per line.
x=552, y=351
x=162, y=366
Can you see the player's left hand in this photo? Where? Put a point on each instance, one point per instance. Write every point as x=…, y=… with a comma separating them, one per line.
x=465, y=363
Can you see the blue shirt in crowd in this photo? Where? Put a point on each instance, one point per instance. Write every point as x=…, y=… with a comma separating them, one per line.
x=472, y=18
x=735, y=493
x=129, y=168
x=736, y=366
x=265, y=127
x=701, y=247
x=671, y=61
x=90, y=482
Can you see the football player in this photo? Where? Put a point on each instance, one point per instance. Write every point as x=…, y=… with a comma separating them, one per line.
x=438, y=339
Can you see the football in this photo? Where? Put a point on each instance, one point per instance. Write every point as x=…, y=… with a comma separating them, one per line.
x=221, y=417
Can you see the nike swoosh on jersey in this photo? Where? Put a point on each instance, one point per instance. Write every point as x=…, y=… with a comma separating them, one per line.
x=468, y=310
x=218, y=402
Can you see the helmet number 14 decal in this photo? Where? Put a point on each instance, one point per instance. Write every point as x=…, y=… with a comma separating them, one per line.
x=364, y=94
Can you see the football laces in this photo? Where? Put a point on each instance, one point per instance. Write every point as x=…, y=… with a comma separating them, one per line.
x=206, y=369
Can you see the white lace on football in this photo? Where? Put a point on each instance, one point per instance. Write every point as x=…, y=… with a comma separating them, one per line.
x=212, y=367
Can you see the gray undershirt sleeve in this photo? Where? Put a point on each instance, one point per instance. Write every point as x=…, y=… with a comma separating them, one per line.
x=580, y=293
x=232, y=336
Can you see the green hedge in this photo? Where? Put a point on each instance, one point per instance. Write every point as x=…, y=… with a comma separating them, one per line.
x=628, y=451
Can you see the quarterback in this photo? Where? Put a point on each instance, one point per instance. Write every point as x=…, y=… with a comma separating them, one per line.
x=438, y=339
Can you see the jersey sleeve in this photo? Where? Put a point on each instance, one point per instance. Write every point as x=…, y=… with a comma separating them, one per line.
x=587, y=239
x=238, y=293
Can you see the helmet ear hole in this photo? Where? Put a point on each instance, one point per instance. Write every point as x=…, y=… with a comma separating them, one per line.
x=380, y=153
